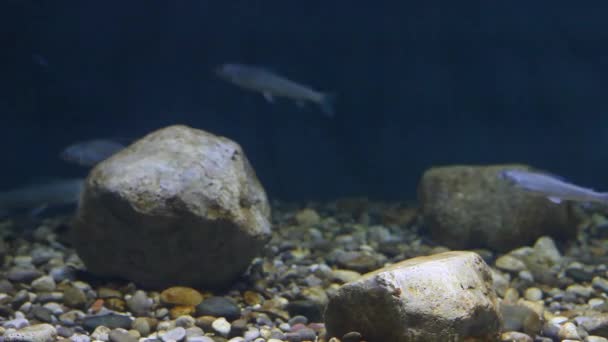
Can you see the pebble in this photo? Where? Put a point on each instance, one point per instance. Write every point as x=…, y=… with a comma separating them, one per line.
x=510, y=264
x=44, y=284
x=139, y=303
x=533, y=294
x=23, y=275
x=80, y=338
x=101, y=333
x=592, y=338
x=568, y=331
x=514, y=336
x=74, y=297
x=580, y=290
x=221, y=326
x=353, y=336
x=17, y=323
x=36, y=333
x=307, y=217
x=251, y=334
x=43, y=314
x=175, y=334
x=199, y=339
x=600, y=283
x=185, y=321
x=181, y=295
x=119, y=335
x=219, y=307
x=141, y=324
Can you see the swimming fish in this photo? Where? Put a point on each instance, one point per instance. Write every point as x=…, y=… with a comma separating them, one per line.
x=272, y=85
x=38, y=197
x=552, y=187
x=89, y=153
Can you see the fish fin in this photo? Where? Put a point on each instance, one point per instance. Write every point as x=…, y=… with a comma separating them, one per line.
x=268, y=96
x=556, y=200
x=327, y=104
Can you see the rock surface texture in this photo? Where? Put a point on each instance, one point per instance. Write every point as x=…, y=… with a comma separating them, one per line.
x=473, y=207
x=178, y=207
x=443, y=297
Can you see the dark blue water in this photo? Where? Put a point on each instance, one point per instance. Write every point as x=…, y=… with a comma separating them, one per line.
x=418, y=84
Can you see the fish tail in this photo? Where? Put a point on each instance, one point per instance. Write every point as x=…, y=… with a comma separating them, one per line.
x=327, y=104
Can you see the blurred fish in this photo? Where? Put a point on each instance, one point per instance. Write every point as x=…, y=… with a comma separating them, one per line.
x=37, y=197
x=272, y=85
x=89, y=153
x=552, y=187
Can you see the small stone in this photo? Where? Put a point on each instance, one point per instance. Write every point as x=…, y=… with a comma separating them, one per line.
x=345, y=276
x=35, y=333
x=181, y=295
x=106, y=292
x=594, y=325
x=64, y=331
x=514, y=336
x=101, y=333
x=568, y=331
x=510, y=264
x=600, y=283
x=252, y=298
x=119, y=335
x=239, y=327
x=16, y=323
x=44, y=284
x=141, y=324
x=579, y=290
x=23, y=275
x=181, y=310
x=115, y=304
x=592, y=338
x=251, y=334
x=307, y=217
x=74, y=297
x=221, y=326
x=199, y=339
x=43, y=314
x=139, y=303
x=598, y=304
x=175, y=334
x=62, y=273
x=533, y=294
x=80, y=338
x=298, y=319
x=219, y=307
x=185, y=321
x=352, y=336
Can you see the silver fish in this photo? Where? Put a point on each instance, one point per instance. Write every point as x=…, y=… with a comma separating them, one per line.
x=272, y=85
x=37, y=197
x=89, y=153
x=554, y=188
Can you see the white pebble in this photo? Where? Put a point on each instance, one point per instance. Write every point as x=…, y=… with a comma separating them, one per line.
x=533, y=294
x=221, y=326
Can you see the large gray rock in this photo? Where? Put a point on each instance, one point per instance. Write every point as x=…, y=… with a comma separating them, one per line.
x=473, y=207
x=179, y=206
x=443, y=297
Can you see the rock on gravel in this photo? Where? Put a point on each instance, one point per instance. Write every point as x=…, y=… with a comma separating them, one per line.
x=179, y=206
x=441, y=297
x=473, y=207
x=35, y=333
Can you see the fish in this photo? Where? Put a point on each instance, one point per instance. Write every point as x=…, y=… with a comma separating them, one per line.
x=272, y=85
x=90, y=153
x=38, y=197
x=552, y=187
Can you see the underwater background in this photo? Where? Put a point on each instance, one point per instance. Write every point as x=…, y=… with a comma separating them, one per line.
x=417, y=84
